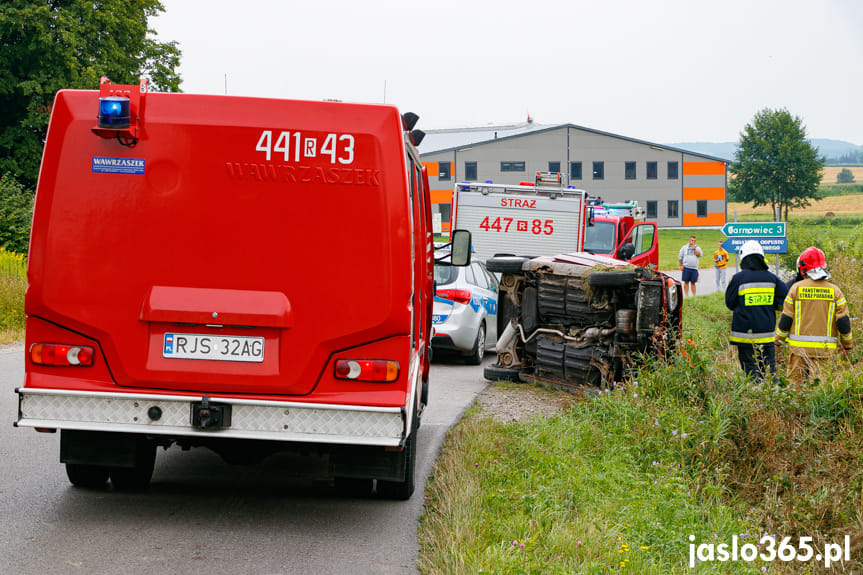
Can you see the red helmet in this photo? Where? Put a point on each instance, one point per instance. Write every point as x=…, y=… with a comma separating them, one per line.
x=810, y=259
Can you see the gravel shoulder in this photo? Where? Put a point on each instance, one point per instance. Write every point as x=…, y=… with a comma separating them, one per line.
x=508, y=402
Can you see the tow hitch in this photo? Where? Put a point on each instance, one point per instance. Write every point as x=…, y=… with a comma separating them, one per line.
x=206, y=415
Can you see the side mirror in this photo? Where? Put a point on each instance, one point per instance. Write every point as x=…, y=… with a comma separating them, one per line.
x=460, y=251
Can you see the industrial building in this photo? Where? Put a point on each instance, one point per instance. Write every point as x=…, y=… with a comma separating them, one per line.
x=676, y=188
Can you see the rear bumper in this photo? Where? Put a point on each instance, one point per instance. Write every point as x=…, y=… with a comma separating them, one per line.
x=251, y=419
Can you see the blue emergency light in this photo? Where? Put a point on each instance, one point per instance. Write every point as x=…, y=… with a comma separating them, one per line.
x=114, y=112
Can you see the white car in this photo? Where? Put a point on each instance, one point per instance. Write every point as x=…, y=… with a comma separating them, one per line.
x=464, y=319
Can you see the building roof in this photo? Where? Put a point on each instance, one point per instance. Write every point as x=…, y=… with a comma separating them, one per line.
x=446, y=140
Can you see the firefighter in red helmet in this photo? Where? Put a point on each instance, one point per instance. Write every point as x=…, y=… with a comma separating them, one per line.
x=814, y=320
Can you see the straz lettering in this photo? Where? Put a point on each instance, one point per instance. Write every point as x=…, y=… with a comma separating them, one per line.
x=292, y=174
x=517, y=203
x=758, y=299
x=815, y=293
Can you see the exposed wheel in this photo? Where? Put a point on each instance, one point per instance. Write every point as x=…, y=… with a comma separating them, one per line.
x=611, y=279
x=137, y=477
x=505, y=264
x=497, y=373
x=402, y=490
x=478, y=352
x=89, y=476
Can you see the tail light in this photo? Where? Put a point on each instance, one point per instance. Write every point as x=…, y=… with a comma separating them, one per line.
x=59, y=354
x=457, y=295
x=379, y=370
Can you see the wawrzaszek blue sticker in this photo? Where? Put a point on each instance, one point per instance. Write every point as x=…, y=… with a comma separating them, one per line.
x=102, y=165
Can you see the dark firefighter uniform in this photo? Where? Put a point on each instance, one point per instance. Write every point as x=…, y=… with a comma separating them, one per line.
x=754, y=296
x=816, y=325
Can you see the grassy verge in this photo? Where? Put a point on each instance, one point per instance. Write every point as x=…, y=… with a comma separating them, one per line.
x=618, y=482
x=13, y=282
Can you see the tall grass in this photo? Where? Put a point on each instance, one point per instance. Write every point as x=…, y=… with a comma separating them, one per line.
x=618, y=482
x=13, y=282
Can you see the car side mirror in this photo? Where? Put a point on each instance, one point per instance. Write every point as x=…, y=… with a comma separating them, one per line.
x=460, y=250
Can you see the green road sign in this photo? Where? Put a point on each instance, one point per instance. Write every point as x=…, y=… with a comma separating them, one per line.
x=754, y=229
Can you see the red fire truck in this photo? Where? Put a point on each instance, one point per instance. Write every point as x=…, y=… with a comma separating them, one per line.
x=201, y=274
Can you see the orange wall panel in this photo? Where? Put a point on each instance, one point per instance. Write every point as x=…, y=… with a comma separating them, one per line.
x=441, y=196
x=692, y=194
x=432, y=169
x=712, y=219
x=703, y=168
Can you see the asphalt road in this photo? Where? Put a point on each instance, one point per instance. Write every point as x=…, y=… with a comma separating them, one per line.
x=201, y=515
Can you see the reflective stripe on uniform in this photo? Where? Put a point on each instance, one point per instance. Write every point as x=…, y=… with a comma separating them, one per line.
x=741, y=337
x=758, y=286
x=830, y=318
x=811, y=344
x=813, y=341
x=841, y=302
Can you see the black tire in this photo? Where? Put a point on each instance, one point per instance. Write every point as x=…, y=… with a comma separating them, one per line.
x=497, y=373
x=478, y=352
x=137, y=477
x=402, y=490
x=612, y=279
x=505, y=264
x=88, y=476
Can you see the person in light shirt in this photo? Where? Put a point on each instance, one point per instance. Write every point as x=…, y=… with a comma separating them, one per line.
x=688, y=260
x=720, y=263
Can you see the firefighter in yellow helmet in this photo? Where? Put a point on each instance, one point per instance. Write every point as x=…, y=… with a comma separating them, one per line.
x=814, y=319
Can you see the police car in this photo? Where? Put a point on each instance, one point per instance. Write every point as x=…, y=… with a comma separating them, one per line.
x=464, y=319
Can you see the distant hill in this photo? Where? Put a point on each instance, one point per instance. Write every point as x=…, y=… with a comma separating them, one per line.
x=830, y=149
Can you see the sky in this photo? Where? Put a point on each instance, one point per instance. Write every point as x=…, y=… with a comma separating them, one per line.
x=665, y=71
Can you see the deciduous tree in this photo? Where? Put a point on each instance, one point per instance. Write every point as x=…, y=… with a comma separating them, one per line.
x=46, y=45
x=845, y=176
x=16, y=212
x=775, y=164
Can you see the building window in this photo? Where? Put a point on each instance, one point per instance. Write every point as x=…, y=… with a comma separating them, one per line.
x=598, y=170
x=470, y=171
x=672, y=209
x=512, y=166
x=672, y=170
x=651, y=209
x=629, y=170
x=575, y=170
x=443, y=171
x=554, y=167
x=651, y=170
x=701, y=208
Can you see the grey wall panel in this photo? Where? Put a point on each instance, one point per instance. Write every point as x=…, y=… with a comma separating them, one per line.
x=703, y=181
